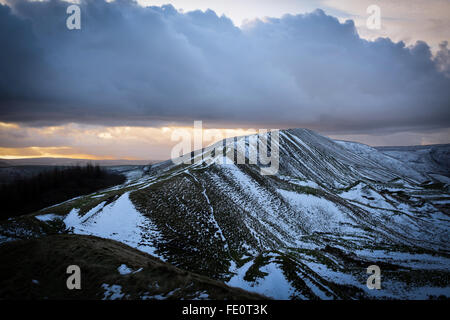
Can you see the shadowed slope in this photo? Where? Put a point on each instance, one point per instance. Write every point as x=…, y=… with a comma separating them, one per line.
x=36, y=269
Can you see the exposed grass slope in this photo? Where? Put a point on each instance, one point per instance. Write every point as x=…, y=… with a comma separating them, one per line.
x=36, y=269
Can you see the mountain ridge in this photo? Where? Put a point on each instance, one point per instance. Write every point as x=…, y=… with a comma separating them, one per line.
x=308, y=232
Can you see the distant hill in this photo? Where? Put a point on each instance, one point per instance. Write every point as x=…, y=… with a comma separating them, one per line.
x=433, y=160
x=18, y=169
x=3, y=163
x=69, y=161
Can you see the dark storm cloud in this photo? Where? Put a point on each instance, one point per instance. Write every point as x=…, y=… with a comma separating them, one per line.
x=134, y=65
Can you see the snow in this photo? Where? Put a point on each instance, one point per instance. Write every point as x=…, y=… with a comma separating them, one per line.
x=364, y=194
x=124, y=270
x=262, y=205
x=429, y=160
x=212, y=218
x=382, y=159
x=440, y=178
x=445, y=201
x=98, y=196
x=48, y=217
x=118, y=221
x=302, y=183
x=201, y=295
x=273, y=285
x=112, y=292
x=388, y=289
x=161, y=296
x=147, y=296
x=406, y=259
x=318, y=213
x=365, y=216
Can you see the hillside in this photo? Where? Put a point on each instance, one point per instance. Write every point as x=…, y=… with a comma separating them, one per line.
x=309, y=232
x=36, y=269
x=433, y=160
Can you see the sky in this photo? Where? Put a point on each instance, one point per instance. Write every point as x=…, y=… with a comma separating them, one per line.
x=135, y=72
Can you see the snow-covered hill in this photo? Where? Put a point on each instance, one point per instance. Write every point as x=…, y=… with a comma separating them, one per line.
x=310, y=231
x=433, y=160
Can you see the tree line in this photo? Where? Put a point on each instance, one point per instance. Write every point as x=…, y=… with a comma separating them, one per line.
x=54, y=186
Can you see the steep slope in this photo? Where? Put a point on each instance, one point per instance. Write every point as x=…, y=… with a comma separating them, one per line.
x=308, y=232
x=332, y=162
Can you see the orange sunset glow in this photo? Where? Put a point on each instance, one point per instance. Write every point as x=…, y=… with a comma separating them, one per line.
x=99, y=142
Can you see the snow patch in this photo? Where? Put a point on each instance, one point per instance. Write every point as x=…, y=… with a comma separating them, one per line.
x=273, y=285
x=118, y=221
x=112, y=292
x=124, y=270
x=48, y=217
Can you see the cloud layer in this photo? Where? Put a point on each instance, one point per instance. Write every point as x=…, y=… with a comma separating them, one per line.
x=131, y=65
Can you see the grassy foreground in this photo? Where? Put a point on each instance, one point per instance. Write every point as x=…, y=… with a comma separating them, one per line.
x=36, y=269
